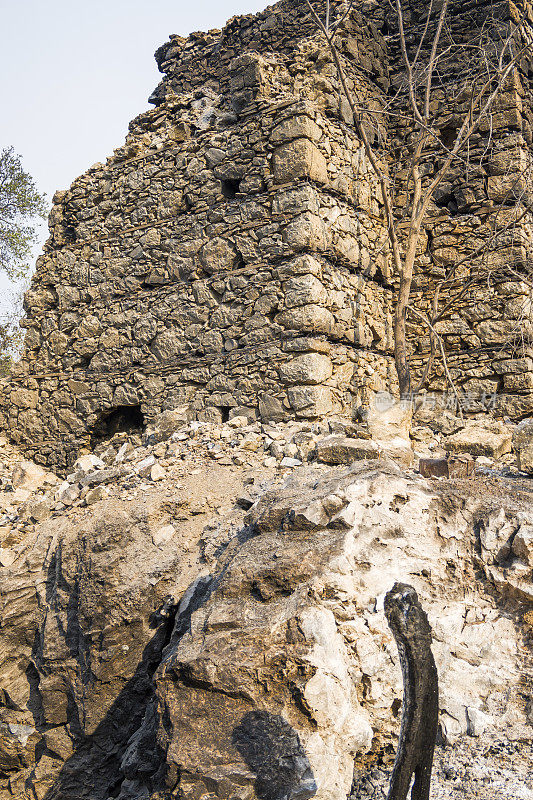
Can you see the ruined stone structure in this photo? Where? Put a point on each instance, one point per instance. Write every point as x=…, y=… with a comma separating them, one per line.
x=231, y=255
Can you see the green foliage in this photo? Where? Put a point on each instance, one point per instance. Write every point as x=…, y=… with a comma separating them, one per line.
x=11, y=338
x=20, y=207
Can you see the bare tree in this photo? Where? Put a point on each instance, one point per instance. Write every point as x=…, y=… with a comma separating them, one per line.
x=448, y=90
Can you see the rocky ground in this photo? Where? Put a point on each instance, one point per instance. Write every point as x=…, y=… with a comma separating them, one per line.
x=174, y=446
x=226, y=579
x=469, y=768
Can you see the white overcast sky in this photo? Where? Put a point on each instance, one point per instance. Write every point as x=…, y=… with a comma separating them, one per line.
x=74, y=72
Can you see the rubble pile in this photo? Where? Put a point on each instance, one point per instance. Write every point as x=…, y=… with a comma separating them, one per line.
x=173, y=445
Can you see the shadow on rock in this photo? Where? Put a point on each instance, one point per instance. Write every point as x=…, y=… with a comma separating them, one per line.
x=94, y=770
x=272, y=749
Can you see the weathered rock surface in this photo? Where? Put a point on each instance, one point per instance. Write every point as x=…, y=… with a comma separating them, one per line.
x=338, y=449
x=158, y=643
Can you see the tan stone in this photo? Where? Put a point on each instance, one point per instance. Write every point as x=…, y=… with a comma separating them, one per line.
x=157, y=473
x=304, y=265
x=89, y=327
x=24, y=398
x=304, y=290
x=299, y=159
x=218, y=255
x=479, y=441
x=337, y=449
x=96, y=494
x=306, y=232
x=308, y=368
x=310, y=401
x=296, y=127
x=151, y=238
x=58, y=342
x=312, y=318
x=389, y=418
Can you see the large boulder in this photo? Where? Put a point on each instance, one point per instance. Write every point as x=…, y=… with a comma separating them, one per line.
x=260, y=692
x=338, y=449
x=492, y=439
x=148, y=654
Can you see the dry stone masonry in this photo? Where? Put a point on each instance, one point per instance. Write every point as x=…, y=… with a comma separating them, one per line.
x=230, y=258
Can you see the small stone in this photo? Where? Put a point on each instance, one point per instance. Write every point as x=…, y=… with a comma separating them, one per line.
x=157, y=472
x=88, y=463
x=96, y=494
x=39, y=508
x=7, y=557
x=124, y=451
x=163, y=535
x=238, y=422
x=253, y=443
x=290, y=450
x=68, y=493
x=144, y=467
x=290, y=462
x=103, y=476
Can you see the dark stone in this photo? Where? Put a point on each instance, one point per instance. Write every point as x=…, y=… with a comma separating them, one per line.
x=420, y=709
x=272, y=749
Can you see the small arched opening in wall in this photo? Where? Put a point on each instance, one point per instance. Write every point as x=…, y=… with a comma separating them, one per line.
x=121, y=419
x=230, y=187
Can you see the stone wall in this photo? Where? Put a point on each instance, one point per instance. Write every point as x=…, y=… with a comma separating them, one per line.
x=232, y=256
x=228, y=256
x=487, y=326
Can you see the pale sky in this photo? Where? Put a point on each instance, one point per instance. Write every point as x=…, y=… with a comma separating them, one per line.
x=73, y=74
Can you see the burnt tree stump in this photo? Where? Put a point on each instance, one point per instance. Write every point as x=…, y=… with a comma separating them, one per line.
x=420, y=707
